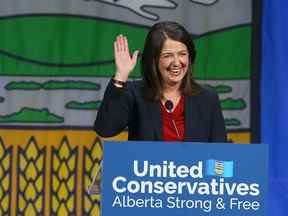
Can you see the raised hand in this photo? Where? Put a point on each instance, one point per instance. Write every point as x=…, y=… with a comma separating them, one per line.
x=124, y=62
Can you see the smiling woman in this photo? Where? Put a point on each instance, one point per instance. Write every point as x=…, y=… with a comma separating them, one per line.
x=173, y=62
x=167, y=59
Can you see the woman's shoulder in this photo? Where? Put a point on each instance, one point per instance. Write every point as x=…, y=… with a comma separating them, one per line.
x=135, y=82
x=135, y=85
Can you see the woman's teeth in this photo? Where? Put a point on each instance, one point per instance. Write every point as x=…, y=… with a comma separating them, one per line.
x=175, y=71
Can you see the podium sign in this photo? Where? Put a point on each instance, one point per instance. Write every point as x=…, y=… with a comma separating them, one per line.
x=169, y=179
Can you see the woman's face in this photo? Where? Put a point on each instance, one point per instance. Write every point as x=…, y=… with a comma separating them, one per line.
x=173, y=62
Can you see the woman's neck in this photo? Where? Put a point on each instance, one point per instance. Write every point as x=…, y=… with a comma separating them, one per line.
x=171, y=93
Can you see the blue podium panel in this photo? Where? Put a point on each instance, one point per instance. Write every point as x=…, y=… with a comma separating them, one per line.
x=180, y=179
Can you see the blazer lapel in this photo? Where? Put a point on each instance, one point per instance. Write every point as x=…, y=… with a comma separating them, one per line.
x=155, y=112
x=191, y=118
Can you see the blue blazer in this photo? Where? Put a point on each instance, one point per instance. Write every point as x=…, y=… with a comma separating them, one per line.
x=127, y=106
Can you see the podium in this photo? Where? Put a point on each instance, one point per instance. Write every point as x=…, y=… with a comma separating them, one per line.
x=180, y=179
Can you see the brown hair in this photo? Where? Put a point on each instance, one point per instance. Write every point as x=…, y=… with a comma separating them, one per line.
x=154, y=42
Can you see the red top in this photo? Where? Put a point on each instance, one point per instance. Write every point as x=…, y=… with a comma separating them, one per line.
x=169, y=130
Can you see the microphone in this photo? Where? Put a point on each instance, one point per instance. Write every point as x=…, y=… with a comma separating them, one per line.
x=169, y=106
x=95, y=187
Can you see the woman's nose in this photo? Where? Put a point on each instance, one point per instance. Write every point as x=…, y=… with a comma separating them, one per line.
x=176, y=60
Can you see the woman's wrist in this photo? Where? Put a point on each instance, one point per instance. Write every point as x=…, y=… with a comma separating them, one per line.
x=119, y=80
x=118, y=83
x=120, y=76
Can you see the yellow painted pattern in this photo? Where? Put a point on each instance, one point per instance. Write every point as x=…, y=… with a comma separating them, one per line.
x=92, y=157
x=5, y=178
x=30, y=166
x=47, y=172
x=240, y=137
x=63, y=181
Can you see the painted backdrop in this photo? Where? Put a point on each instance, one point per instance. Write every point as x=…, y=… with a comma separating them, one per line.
x=56, y=58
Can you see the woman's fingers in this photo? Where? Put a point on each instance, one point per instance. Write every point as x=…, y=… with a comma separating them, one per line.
x=121, y=44
x=125, y=44
x=134, y=57
x=125, y=63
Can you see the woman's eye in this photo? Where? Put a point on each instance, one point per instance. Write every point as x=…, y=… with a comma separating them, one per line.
x=166, y=56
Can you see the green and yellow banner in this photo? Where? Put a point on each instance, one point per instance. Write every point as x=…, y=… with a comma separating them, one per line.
x=56, y=58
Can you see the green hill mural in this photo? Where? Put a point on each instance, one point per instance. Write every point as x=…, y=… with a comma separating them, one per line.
x=31, y=115
x=51, y=46
x=53, y=85
x=90, y=105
